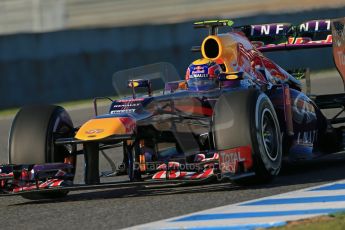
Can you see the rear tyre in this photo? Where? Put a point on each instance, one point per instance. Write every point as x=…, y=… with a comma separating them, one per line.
x=32, y=137
x=245, y=118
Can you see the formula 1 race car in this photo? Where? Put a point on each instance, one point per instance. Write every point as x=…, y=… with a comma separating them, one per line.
x=235, y=116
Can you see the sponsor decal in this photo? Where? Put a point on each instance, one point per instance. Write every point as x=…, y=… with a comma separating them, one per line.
x=317, y=25
x=282, y=29
x=306, y=137
x=305, y=33
x=229, y=159
x=94, y=131
x=269, y=29
x=126, y=106
x=123, y=111
x=198, y=69
x=201, y=75
x=130, y=100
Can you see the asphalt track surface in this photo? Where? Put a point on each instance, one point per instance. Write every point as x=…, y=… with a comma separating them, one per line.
x=129, y=206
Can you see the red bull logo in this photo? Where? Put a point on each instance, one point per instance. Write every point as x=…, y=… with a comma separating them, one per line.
x=198, y=69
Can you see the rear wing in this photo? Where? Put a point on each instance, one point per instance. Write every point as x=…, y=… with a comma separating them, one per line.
x=310, y=34
x=285, y=36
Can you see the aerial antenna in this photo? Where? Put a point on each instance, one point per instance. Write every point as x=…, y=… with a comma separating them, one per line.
x=213, y=25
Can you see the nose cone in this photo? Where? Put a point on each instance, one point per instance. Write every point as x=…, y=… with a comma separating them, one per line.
x=99, y=128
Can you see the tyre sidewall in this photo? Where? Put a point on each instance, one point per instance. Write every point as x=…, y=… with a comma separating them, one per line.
x=32, y=135
x=265, y=165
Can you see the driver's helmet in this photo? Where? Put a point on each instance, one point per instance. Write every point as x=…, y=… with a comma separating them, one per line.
x=202, y=74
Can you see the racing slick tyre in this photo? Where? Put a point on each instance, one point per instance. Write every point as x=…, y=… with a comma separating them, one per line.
x=32, y=137
x=248, y=118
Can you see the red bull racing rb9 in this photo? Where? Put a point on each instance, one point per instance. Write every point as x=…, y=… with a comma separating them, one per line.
x=236, y=115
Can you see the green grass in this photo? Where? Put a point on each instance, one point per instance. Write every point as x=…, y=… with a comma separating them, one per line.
x=330, y=222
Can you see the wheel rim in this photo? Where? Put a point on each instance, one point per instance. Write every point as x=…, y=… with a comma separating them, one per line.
x=269, y=134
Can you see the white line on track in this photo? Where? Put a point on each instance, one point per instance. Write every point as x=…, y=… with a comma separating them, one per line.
x=264, y=212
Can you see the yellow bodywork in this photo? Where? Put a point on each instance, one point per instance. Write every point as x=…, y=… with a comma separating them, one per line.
x=135, y=83
x=231, y=76
x=227, y=50
x=96, y=129
x=201, y=61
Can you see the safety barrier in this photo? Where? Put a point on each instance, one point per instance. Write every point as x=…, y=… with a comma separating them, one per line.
x=78, y=64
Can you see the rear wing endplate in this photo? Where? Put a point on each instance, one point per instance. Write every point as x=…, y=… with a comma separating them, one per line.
x=338, y=34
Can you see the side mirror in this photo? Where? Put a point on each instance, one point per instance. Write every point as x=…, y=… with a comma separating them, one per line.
x=140, y=83
x=175, y=85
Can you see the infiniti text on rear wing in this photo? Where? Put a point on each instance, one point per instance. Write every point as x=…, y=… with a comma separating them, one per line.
x=310, y=34
x=285, y=36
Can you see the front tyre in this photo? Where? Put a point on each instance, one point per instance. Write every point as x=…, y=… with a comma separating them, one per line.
x=247, y=117
x=32, y=137
x=266, y=140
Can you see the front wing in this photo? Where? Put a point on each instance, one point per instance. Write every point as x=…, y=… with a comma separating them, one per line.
x=25, y=179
